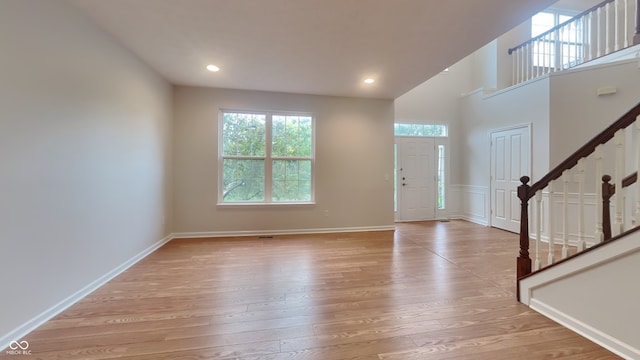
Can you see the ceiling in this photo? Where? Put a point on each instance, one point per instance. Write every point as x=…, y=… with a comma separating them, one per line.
x=324, y=47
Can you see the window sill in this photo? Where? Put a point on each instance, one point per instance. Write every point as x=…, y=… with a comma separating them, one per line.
x=261, y=204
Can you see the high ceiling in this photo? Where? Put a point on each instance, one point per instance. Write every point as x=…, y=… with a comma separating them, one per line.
x=325, y=47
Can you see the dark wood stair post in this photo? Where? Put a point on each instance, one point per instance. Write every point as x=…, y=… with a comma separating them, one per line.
x=524, y=261
x=607, y=192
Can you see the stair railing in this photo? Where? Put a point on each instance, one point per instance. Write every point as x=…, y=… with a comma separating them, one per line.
x=596, y=32
x=608, y=190
x=571, y=174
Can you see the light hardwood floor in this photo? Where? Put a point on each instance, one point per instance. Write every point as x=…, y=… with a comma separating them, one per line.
x=431, y=290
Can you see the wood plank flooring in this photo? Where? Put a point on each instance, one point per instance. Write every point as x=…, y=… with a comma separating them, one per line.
x=431, y=290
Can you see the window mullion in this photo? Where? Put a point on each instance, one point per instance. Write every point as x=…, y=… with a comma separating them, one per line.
x=268, y=162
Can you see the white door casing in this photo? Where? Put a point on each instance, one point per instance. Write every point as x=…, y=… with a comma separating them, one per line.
x=416, y=178
x=510, y=160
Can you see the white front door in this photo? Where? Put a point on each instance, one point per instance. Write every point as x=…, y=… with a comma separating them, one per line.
x=510, y=154
x=416, y=189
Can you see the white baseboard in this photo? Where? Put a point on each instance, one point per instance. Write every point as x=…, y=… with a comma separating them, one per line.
x=213, y=234
x=24, y=329
x=612, y=344
x=470, y=203
x=475, y=220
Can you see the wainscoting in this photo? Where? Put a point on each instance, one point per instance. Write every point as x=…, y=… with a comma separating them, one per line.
x=471, y=203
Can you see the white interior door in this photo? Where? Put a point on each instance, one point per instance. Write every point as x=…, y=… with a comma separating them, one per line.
x=415, y=179
x=510, y=154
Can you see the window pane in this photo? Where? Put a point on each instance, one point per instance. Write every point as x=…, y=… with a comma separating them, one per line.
x=563, y=18
x=542, y=22
x=435, y=130
x=291, y=180
x=243, y=180
x=291, y=136
x=395, y=177
x=243, y=134
x=401, y=129
x=417, y=130
x=441, y=178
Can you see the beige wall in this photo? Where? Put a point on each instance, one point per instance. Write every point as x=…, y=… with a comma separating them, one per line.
x=577, y=109
x=520, y=105
x=595, y=295
x=353, y=173
x=84, y=158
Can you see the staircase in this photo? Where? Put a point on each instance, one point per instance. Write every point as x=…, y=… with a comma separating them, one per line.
x=606, y=28
x=588, y=274
x=583, y=217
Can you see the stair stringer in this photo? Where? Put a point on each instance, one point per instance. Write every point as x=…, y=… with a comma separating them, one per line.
x=596, y=294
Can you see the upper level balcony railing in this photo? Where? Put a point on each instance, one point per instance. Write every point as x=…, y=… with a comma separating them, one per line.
x=601, y=30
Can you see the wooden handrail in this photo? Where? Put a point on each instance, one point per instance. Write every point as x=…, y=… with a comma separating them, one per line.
x=526, y=191
x=606, y=135
x=555, y=28
x=630, y=180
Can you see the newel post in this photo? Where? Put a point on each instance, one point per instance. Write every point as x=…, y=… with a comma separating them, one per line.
x=608, y=190
x=636, y=38
x=524, y=261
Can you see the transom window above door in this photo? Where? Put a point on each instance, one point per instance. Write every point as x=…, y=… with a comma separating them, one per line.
x=409, y=129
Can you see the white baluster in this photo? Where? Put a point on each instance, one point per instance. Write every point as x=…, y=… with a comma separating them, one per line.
x=537, y=63
x=599, y=236
x=607, y=9
x=529, y=62
x=536, y=263
x=619, y=141
x=584, y=41
x=582, y=243
x=514, y=67
x=626, y=23
x=556, y=50
x=547, y=54
x=523, y=65
x=577, y=59
x=637, y=131
x=599, y=31
x=524, y=62
x=616, y=26
x=551, y=255
x=560, y=47
x=565, y=214
x=590, y=34
x=550, y=43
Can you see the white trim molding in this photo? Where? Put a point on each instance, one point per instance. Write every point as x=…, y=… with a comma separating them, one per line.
x=24, y=329
x=597, y=285
x=470, y=203
x=608, y=342
x=215, y=234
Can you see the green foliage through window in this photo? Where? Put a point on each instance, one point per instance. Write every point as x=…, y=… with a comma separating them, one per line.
x=403, y=129
x=247, y=157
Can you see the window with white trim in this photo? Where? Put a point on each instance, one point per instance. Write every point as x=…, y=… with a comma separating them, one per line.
x=567, y=41
x=266, y=157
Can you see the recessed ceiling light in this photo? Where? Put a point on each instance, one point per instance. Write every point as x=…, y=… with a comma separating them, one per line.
x=213, y=68
x=369, y=81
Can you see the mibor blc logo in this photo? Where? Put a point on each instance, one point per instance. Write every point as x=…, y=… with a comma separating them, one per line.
x=19, y=348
